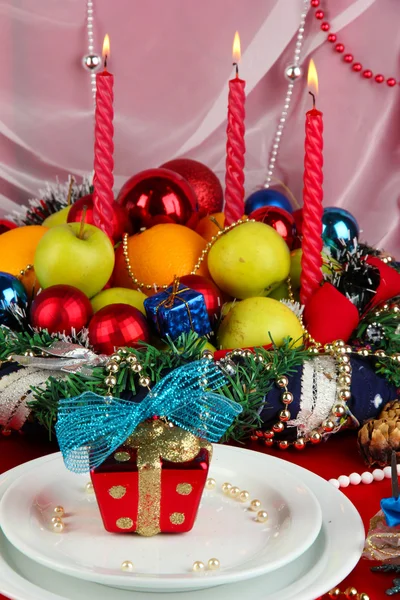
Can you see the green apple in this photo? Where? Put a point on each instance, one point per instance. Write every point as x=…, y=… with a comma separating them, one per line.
x=254, y=321
x=295, y=266
x=58, y=218
x=119, y=295
x=249, y=260
x=84, y=261
x=280, y=292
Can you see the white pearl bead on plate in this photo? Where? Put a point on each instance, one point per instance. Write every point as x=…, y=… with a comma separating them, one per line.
x=378, y=474
x=59, y=511
x=210, y=483
x=255, y=505
x=355, y=479
x=213, y=564
x=244, y=496
x=226, y=487
x=344, y=481
x=198, y=566
x=367, y=477
x=262, y=516
x=127, y=566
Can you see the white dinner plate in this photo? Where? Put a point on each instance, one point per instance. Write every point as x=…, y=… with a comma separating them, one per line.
x=225, y=528
x=327, y=562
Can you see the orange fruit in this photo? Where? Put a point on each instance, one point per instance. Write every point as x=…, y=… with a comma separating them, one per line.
x=207, y=228
x=17, y=251
x=159, y=253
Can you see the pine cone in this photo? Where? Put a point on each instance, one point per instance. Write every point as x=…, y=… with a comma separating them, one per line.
x=378, y=437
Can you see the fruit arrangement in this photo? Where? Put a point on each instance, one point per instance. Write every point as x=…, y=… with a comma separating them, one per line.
x=172, y=283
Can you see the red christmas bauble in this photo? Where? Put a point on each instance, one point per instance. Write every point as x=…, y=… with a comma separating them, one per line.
x=121, y=222
x=279, y=219
x=6, y=225
x=212, y=295
x=158, y=196
x=61, y=308
x=298, y=220
x=207, y=187
x=115, y=326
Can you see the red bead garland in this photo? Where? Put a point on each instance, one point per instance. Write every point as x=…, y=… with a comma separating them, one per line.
x=348, y=58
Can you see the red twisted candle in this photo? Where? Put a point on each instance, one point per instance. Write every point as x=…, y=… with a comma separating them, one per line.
x=235, y=146
x=311, y=260
x=103, y=181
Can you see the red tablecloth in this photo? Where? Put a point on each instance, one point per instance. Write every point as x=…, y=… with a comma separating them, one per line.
x=337, y=457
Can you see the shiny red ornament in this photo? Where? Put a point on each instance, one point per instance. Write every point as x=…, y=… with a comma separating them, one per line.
x=325, y=26
x=379, y=78
x=348, y=58
x=206, y=185
x=212, y=295
x=319, y=14
x=279, y=219
x=332, y=38
x=6, y=225
x=339, y=48
x=391, y=81
x=367, y=74
x=121, y=223
x=315, y=3
x=357, y=67
x=158, y=196
x=60, y=309
x=115, y=326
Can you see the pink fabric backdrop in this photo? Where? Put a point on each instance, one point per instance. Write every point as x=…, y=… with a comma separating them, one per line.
x=171, y=60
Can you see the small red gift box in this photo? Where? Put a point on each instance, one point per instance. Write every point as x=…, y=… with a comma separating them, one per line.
x=154, y=482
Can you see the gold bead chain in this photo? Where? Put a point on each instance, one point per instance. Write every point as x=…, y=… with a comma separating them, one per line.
x=25, y=271
x=204, y=253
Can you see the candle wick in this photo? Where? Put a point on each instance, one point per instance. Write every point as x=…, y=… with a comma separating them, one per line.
x=313, y=98
x=236, y=65
x=105, y=61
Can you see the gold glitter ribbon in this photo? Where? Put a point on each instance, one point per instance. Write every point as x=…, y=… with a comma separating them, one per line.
x=155, y=441
x=169, y=302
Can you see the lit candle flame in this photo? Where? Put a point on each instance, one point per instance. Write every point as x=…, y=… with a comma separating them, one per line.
x=312, y=78
x=236, y=54
x=106, y=46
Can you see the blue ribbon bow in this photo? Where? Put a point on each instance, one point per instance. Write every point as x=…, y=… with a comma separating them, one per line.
x=90, y=427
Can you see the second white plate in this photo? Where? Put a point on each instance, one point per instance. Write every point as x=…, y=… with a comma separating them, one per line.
x=224, y=529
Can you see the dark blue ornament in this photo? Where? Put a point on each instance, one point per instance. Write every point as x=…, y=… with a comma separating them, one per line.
x=339, y=224
x=11, y=291
x=266, y=197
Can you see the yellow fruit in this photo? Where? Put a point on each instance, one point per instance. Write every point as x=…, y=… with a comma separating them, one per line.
x=295, y=266
x=119, y=296
x=17, y=251
x=207, y=227
x=249, y=260
x=58, y=218
x=254, y=321
x=158, y=254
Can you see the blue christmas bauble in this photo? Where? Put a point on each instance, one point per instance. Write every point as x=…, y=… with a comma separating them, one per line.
x=266, y=197
x=339, y=224
x=11, y=291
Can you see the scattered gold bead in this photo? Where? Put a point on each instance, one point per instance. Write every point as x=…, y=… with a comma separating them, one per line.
x=110, y=381
x=345, y=395
x=144, y=381
x=351, y=592
x=112, y=367
x=127, y=566
x=115, y=358
x=226, y=487
x=262, y=516
x=198, y=567
x=136, y=367
x=278, y=427
x=363, y=352
x=244, y=496
x=255, y=505
x=344, y=360
x=334, y=593
x=213, y=564
x=328, y=425
x=58, y=526
x=344, y=380
x=131, y=359
x=89, y=487
x=56, y=520
x=282, y=381
x=234, y=492
x=338, y=343
x=364, y=596
x=283, y=444
x=210, y=483
x=59, y=511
